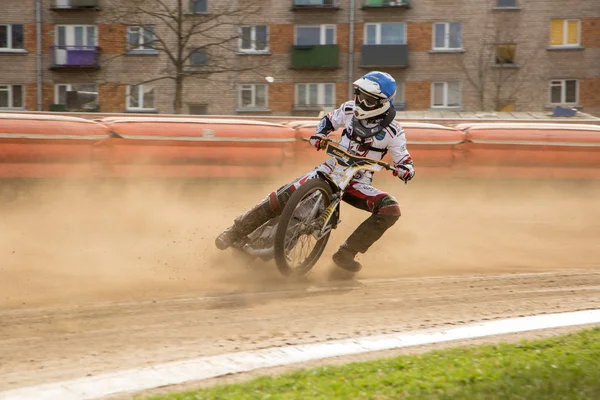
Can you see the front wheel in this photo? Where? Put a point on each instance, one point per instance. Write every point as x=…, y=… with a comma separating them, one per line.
x=298, y=245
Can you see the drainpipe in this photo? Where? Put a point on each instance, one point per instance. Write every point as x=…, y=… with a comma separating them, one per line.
x=38, y=28
x=235, y=64
x=351, y=49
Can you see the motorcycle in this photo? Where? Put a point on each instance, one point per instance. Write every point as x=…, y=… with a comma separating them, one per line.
x=297, y=237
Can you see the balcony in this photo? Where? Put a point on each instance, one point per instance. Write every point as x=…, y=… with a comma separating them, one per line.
x=315, y=57
x=375, y=4
x=312, y=4
x=74, y=58
x=384, y=55
x=59, y=5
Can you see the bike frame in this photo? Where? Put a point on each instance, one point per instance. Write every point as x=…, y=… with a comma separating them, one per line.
x=347, y=165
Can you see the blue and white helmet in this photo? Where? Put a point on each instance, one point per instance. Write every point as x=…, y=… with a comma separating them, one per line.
x=373, y=94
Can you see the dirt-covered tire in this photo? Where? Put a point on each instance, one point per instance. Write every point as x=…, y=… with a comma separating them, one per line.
x=304, y=191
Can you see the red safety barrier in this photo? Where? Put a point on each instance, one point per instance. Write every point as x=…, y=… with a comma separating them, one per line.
x=39, y=146
x=195, y=147
x=533, y=145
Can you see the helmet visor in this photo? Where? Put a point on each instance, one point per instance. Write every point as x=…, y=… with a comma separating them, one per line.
x=367, y=100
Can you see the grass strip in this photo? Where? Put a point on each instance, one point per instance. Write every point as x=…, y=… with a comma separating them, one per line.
x=563, y=367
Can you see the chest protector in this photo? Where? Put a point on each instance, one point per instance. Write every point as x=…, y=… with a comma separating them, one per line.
x=360, y=133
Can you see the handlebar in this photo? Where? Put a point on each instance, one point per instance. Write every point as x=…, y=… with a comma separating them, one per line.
x=326, y=141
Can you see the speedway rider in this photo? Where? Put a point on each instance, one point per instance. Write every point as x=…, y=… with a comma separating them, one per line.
x=369, y=131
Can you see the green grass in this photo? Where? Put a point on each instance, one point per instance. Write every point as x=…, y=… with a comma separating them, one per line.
x=564, y=367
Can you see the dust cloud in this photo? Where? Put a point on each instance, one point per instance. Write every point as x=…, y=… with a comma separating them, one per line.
x=71, y=243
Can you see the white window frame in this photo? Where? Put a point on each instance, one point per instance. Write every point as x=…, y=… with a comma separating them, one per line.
x=320, y=95
x=378, y=32
x=446, y=36
x=9, y=47
x=565, y=38
x=563, y=91
x=141, y=43
x=445, y=105
x=95, y=44
x=140, y=88
x=252, y=87
x=322, y=33
x=253, y=40
x=8, y=87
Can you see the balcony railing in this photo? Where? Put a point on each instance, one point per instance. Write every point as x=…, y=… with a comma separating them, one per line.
x=315, y=57
x=384, y=55
x=386, y=4
x=74, y=57
x=303, y=4
x=75, y=5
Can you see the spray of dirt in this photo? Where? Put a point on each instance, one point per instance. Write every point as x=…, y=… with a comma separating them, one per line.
x=73, y=243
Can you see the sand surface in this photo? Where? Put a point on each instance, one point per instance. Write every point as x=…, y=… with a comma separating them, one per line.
x=94, y=279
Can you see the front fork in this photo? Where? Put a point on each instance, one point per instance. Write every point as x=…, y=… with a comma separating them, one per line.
x=331, y=212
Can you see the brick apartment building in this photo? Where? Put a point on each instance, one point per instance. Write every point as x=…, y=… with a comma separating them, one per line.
x=445, y=54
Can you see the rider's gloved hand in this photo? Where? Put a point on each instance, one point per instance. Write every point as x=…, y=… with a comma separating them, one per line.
x=405, y=172
x=316, y=141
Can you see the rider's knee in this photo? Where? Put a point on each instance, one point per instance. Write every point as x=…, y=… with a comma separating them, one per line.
x=388, y=208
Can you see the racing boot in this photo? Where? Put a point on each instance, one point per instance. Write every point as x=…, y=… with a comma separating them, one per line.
x=245, y=224
x=344, y=258
x=226, y=239
x=361, y=239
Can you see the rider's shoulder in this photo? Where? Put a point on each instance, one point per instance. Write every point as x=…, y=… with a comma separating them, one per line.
x=348, y=107
x=395, y=129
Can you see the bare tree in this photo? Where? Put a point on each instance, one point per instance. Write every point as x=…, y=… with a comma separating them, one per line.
x=196, y=45
x=500, y=65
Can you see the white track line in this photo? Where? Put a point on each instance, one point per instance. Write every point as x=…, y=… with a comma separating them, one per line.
x=209, y=367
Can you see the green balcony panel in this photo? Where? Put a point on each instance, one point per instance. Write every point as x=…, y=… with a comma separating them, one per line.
x=315, y=57
x=386, y=3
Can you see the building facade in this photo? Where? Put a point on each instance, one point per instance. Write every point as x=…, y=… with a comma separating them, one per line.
x=299, y=57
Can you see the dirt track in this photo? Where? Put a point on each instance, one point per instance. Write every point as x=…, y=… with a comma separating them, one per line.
x=94, y=282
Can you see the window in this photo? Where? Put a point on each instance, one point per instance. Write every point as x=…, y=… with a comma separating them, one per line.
x=11, y=37
x=198, y=109
x=565, y=32
x=86, y=95
x=198, y=57
x=140, y=97
x=198, y=6
x=388, y=33
x=76, y=35
x=254, y=38
x=140, y=37
x=445, y=94
x=447, y=36
x=505, y=54
x=399, y=98
x=314, y=2
x=321, y=95
x=564, y=91
x=11, y=96
x=315, y=35
x=253, y=96
x=506, y=3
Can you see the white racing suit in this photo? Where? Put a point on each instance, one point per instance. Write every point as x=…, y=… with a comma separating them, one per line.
x=383, y=207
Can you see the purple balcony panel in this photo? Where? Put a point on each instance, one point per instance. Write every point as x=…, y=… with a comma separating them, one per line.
x=75, y=56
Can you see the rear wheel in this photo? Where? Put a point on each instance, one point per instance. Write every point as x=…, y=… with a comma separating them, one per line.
x=297, y=243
